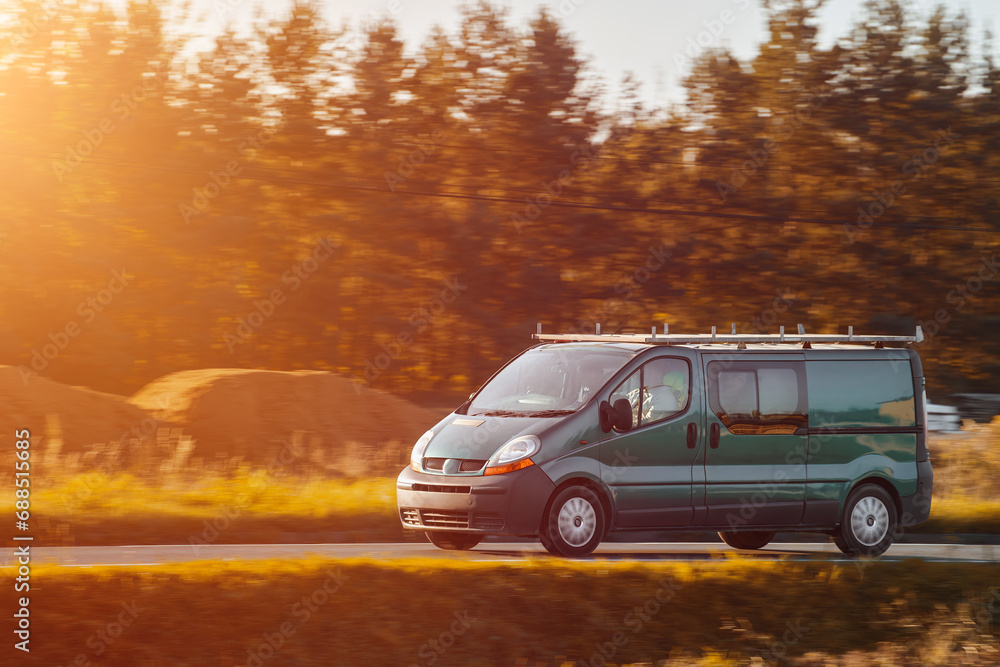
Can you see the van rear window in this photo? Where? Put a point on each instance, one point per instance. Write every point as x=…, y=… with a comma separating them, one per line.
x=859, y=394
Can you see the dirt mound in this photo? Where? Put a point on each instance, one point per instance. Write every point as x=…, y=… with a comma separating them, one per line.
x=302, y=419
x=64, y=421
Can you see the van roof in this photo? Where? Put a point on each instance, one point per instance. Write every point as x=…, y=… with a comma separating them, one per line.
x=718, y=347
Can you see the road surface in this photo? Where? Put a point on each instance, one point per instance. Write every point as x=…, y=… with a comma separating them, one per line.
x=497, y=552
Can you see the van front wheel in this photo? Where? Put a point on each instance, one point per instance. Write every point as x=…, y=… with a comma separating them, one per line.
x=575, y=523
x=869, y=522
x=754, y=539
x=453, y=541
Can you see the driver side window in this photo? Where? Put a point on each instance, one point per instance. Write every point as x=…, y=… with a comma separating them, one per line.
x=659, y=389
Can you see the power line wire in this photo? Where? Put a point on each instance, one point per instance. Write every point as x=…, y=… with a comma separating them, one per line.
x=555, y=202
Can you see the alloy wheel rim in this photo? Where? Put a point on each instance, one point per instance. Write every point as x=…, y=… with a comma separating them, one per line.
x=870, y=521
x=577, y=522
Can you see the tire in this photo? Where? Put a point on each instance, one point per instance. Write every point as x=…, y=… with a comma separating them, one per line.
x=575, y=523
x=838, y=539
x=752, y=539
x=453, y=541
x=547, y=543
x=868, y=525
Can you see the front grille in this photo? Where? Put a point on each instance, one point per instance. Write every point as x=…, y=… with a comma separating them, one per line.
x=451, y=519
x=441, y=488
x=434, y=463
x=464, y=465
x=487, y=521
x=445, y=518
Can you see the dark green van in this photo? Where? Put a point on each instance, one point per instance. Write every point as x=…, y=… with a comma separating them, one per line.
x=747, y=435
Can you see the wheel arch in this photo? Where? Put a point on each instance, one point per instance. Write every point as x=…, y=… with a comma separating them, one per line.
x=874, y=480
x=599, y=490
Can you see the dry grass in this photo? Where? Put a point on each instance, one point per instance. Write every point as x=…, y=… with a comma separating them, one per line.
x=967, y=464
x=249, y=506
x=169, y=503
x=252, y=491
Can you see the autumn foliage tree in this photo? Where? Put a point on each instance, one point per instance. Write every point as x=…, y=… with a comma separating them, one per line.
x=304, y=195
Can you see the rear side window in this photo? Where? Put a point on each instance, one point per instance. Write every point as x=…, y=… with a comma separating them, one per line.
x=759, y=398
x=861, y=394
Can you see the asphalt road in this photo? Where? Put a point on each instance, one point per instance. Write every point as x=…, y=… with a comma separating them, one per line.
x=498, y=552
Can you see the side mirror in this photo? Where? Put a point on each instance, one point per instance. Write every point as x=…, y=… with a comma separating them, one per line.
x=617, y=416
x=607, y=416
x=623, y=414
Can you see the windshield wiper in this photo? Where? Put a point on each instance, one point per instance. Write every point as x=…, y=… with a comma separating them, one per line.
x=510, y=413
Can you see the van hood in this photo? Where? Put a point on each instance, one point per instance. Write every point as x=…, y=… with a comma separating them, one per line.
x=464, y=437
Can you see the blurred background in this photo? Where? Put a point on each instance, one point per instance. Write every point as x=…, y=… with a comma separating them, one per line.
x=265, y=186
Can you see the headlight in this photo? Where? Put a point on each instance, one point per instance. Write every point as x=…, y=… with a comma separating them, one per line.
x=514, y=455
x=417, y=455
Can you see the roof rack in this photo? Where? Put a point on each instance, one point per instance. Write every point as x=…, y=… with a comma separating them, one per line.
x=667, y=338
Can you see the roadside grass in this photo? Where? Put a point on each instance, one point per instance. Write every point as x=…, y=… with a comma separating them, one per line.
x=248, y=506
x=958, y=514
x=255, y=505
x=544, y=611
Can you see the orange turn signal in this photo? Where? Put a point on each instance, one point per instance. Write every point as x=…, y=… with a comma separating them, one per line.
x=510, y=467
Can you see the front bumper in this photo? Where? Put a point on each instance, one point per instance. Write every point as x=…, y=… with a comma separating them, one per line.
x=508, y=504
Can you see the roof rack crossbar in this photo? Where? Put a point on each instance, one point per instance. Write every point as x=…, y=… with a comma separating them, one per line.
x=665, y=338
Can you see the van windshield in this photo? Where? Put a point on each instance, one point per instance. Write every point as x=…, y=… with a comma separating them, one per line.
x=548, y=381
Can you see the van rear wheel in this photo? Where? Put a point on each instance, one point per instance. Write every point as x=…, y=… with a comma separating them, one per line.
x=453, y=541
x=868, y=525
x=575, y=523
x=753, y=539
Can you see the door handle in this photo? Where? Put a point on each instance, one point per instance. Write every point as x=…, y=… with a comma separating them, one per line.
x=692, y=437
x=713, y=436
